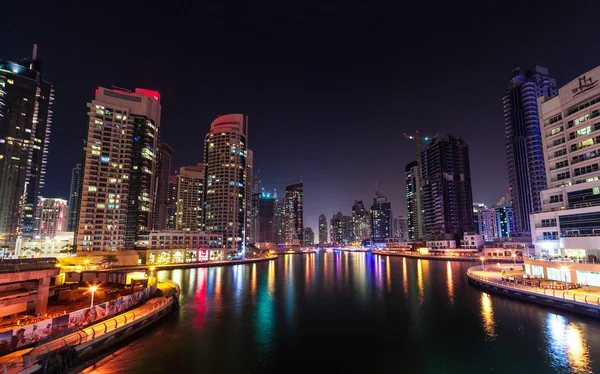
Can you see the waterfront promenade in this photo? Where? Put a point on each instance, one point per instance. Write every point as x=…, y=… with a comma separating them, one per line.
x=426, y=257
x=581, y=300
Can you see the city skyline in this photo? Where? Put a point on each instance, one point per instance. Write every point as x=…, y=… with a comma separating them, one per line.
x=395, y=103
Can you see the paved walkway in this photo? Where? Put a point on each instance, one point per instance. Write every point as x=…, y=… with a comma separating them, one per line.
x=492, y=274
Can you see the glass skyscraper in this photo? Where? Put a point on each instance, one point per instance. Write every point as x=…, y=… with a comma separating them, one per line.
x=524, y=149
x=25, y=123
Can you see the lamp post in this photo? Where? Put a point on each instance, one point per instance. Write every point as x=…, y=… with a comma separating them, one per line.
x=482, y=262
x=93, y=289
x=565, y=269
x=514, y=256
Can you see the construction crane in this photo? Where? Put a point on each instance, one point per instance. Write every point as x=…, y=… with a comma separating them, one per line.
x=418, y=137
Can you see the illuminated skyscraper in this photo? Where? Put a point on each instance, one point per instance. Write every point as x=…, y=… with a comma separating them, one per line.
x=309, y=237
x=337, y=229
x=524, y=149
x=171, y=208
x=25, y=123
x=161, y=199
x=51, y=216
x=414, y=207
x=323, y=230
x=250, y=230
x=74, y=198
x=190, y=198
x=362, y=221
x=225, y=162
x=381, y=218
x=119, y=165
x=446, y=185
x=294, y=211
x=266, y=221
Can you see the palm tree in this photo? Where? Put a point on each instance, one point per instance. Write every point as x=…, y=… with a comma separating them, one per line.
x=36, y=250
x=69, y=248
x=111, y=259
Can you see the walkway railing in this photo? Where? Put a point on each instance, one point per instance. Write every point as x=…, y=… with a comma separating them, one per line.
x=572, y=296
x=18, y=363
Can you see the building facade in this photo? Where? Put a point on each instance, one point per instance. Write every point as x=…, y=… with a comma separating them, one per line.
x=51, y=217
x=171, y=208
x=225, y=160
x=323, y=239
x=484, y=220
x=524, y=149
x=74, y=192
x=161, y=198
x=266, y=220
x=362, y=221
x=446, y=186
x=337, y=229
x=190, y=198
x=414, y=208
x=294, y=211
x=309, y=236
x=25, y=126
x=119, y=163
x=381, y=219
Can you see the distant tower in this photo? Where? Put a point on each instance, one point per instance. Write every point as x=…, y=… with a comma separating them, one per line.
x=190, y=198
x=294, y=211
x=163, y=171
x=51, y=217
x=309, y=236
x=524, y=149
x=323, y=230
x=381, y=218
x=361, y=221
x=171, y=208
x=414, y=207
x=74, y=197
x=226, y=166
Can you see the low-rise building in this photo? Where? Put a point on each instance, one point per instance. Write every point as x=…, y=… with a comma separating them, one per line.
x=472, y=241
x=45, y=247
x=177, y=246
x=434, y=245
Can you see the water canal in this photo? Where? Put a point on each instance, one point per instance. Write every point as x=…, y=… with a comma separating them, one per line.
x=353, y=312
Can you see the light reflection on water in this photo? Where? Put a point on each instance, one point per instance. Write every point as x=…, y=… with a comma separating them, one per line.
x=262, y=313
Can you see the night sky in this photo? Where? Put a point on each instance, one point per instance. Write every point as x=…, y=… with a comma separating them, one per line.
x=329, y=86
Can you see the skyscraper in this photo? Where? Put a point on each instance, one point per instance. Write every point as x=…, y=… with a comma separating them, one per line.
x=337, y=229
x=524, y=150
x=484, y=221
x=171, y=208
x=412, y=176
x=190, y=198
x=74, y=197
x=161, y=198
x=51, y=216
x=294, y=210
x=279, y=219
x=266, y=222
x=381, y=218
x=362, y=221
x=225, y=160
x=309, y=236
x=119, y=163
x=446, y=184
x=249, y=184
x=25, y=124
x=400, y=228
x=323, y=230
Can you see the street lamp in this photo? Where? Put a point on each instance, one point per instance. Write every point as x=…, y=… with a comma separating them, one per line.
x=482, y=262
x=93, y=289
x=565, y=269
x=514, y=256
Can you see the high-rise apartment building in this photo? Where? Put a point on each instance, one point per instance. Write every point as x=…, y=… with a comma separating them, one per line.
x=249, y=190
x=362, y=221
x=414, y=207
x=323, y=240
x=309, y=237
x=446, y=185
x=524, y=149
x=337, y=229
x=266, y=229
x=119, y=164
x=279, y=219
x=161, y=197
x=171, y=208
x=51, y=217
x=74, y=192
x=400, y=228
x=294, y=211
x=25, y=124
x=190, y=198
x=225, y=160
x=381, y=218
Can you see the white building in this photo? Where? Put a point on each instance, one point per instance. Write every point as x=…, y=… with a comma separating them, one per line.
x=472, y=241
x=45, y=247
x=176, y=246
x=51, y=217
x=440, y=244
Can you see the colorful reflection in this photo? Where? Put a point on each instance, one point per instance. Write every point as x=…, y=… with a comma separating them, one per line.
x=420, y=281
x=404, y=276
x=450, y=283
x=566, y=348
x=487, y=316
x=253, y=281
x=200, y=299
x=388, y=274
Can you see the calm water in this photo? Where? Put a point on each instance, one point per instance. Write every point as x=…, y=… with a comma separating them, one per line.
x=353, y=312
